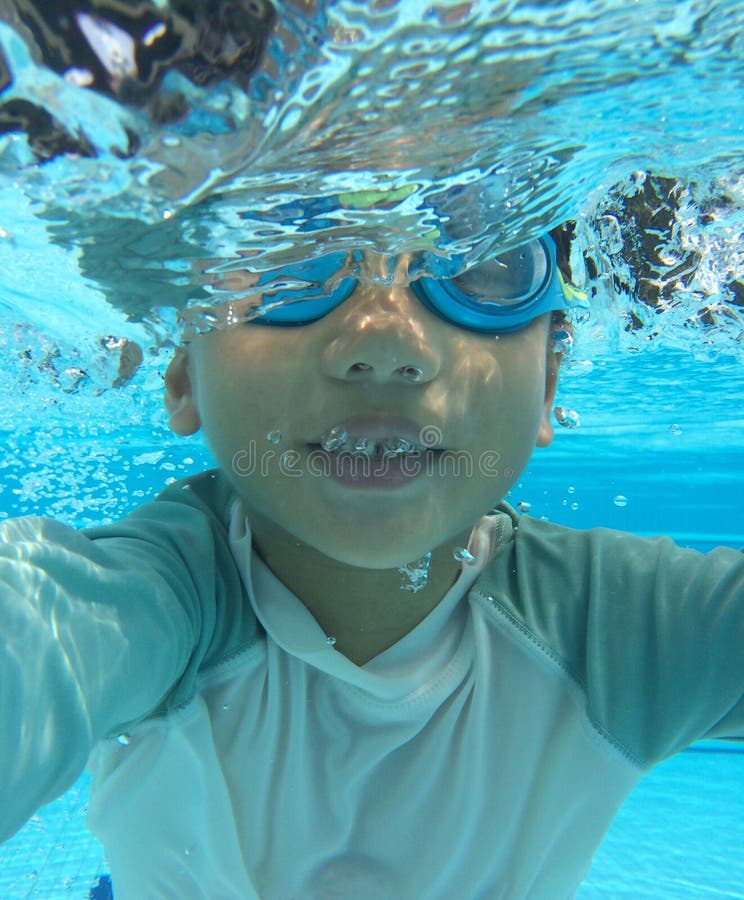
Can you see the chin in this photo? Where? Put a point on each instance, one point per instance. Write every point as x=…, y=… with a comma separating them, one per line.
x=366, y=557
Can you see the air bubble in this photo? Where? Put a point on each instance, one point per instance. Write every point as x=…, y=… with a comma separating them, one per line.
x=568, y=418
x=398, y=445
x=124, y=739
x=574, y=506
x=334, y=439
x=72, y=378
x=562, y=341
x=331, y=640
x=464, y=556
x=274, y=437
x=571, y=489
x=610, y=235
x=620, y=501
x=414, y=576
x=524, y=506
x=675, y=429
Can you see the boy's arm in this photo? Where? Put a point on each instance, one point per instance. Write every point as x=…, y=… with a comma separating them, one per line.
x=653, y=633
x=95, y=633
x=663, y=654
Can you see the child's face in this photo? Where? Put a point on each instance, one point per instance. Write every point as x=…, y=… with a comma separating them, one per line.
x=487, y=397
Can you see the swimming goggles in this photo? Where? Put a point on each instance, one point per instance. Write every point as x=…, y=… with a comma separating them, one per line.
x=501, y=294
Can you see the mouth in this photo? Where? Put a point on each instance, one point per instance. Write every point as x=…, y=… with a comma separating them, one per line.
x=379, y=435
x=377, y=452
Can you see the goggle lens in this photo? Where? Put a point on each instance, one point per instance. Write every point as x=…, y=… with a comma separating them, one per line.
x=509, y=278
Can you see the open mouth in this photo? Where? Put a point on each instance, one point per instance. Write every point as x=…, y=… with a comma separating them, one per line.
x=367, y=457
x=379, y=434
x=375, y=448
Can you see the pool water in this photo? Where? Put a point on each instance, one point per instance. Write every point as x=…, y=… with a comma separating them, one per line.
x=394, y=127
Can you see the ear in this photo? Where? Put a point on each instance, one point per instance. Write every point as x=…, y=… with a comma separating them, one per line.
x=552, y=365
x=183, y=415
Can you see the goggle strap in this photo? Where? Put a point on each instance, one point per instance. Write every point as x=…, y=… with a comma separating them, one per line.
x=571, y=294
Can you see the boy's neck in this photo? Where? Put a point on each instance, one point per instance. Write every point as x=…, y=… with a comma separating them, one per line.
x=365, y=610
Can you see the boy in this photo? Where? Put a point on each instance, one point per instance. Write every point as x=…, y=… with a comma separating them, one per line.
x=269, y=713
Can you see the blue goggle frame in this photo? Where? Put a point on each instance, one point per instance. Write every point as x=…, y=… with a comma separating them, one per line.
x=441, y=295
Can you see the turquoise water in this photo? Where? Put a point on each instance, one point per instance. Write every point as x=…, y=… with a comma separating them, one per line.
x=393, y=126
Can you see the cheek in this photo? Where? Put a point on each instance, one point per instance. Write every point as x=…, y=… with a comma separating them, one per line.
x=243, y=384
x=519, y=357
x=513, y=405
x=224, y=390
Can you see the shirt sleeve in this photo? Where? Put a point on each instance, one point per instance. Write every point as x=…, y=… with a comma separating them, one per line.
x=99, y=629
x=652, y=632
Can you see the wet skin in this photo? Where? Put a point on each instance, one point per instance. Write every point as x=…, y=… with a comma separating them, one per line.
x=337, y=546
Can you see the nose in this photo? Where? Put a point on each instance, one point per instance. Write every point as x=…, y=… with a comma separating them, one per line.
x=381, y=335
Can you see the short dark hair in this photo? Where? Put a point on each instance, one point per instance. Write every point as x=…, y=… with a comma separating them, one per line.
x=563, y=236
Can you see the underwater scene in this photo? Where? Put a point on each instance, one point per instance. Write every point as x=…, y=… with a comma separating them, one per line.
x=160, y=159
